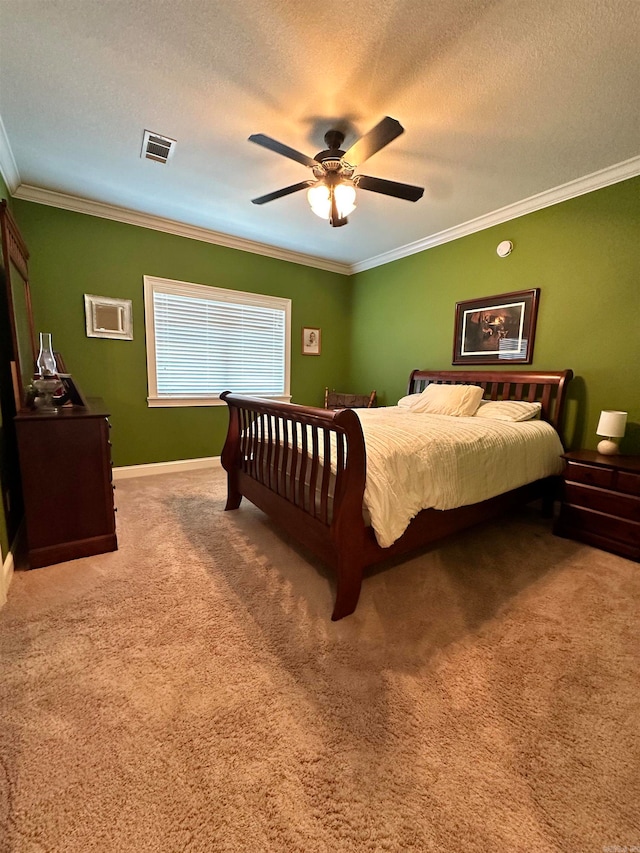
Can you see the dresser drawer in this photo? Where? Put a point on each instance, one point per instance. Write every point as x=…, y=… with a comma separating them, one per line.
x=628, y=482
x=612, y=503
x=576, y=519
x=589, y=474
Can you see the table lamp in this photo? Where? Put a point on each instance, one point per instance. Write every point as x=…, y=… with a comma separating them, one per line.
x=612, y=425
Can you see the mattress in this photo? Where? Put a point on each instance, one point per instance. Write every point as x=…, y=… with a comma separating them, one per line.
x=421, y=461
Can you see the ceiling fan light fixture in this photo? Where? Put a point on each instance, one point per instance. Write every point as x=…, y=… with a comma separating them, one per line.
x=332, y=190
x=319, y=197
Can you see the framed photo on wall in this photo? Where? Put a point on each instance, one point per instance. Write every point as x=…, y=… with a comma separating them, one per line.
x=496, y=329
x=108, y=318
x=311, y=340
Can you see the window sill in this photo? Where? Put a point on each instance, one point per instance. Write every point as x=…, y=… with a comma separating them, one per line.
x=181, y=402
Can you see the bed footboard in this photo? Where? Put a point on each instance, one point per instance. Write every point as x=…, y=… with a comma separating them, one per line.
x=306, y=468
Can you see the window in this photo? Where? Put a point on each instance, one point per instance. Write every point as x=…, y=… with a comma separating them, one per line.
x=203, y=340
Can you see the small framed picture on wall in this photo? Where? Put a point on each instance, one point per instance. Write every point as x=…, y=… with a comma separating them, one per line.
x=311, y=340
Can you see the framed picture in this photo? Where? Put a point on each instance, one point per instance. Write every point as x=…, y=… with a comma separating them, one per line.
x=311, y=341
x=108, y=318
x=496, y=329
x=71, y=393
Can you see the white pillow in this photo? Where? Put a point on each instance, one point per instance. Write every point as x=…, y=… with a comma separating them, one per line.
x=457, y=400
x=509, y=410
x=408, y=401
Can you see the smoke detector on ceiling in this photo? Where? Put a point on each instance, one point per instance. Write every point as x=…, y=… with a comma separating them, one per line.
x=157, y=147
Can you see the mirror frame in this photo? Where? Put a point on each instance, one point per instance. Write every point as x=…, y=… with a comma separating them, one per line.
x=15, y=253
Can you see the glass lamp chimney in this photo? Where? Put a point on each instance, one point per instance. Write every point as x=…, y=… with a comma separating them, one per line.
x=46, y=361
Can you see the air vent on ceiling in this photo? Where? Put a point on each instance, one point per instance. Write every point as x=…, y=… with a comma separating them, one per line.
x=156, y=147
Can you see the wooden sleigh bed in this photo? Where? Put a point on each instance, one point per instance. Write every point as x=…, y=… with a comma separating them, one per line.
x=306, y=468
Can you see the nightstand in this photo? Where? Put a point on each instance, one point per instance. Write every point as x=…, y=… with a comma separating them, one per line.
x=601, y=502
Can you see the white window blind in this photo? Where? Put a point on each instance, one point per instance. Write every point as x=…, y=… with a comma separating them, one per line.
x=204, y=340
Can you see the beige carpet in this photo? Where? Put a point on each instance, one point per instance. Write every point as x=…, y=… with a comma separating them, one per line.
x=190, y=693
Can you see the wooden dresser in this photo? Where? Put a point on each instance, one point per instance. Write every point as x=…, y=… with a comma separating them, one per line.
x=601, y=502
x=65, y=463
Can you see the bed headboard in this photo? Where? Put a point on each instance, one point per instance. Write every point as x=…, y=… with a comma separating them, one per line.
x=546, y=387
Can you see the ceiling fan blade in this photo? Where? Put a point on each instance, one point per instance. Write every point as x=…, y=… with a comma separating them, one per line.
x=294, y=188
x=379, y=136
x=394, y=188
x=280, y=148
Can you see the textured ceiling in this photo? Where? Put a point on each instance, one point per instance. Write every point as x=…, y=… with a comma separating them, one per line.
x=500, y=100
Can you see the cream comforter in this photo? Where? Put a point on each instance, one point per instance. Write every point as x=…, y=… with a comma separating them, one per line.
x=417, y=461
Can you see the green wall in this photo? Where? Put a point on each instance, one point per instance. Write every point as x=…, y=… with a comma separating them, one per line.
x=583, y=254
x=73, y=254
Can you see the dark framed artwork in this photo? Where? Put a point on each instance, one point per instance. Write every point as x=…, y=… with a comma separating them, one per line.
x=71, y=393
x=496, y=329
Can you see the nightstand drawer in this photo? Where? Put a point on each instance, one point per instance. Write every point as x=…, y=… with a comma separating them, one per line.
x=613, y=503
x=576, y=519
x=628, y=482
x=589, y=474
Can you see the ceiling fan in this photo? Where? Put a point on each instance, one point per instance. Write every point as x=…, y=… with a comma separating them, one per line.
x=332, y=190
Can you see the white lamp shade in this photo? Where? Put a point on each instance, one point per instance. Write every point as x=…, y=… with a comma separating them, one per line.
x=612, y=424
x=345, y=199
x=320, y=200
x=319, y=196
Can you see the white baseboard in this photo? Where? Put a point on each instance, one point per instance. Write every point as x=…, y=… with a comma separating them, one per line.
x=175, y=467
x=6, y=577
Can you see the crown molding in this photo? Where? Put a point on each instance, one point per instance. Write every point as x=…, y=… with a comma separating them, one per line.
x=171, y=226
x=595, y=181
x=8, y=166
